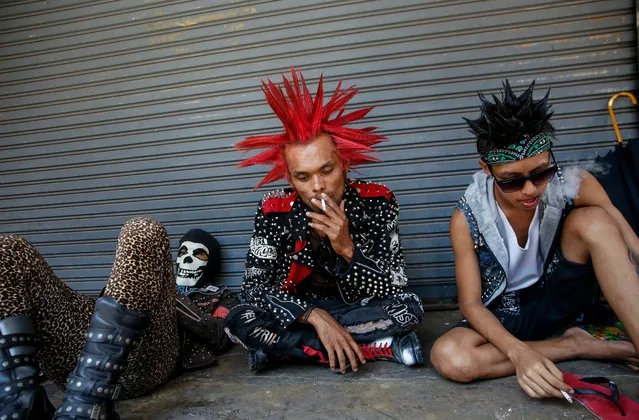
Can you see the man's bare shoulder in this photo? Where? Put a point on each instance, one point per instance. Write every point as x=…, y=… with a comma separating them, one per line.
x=458, y=221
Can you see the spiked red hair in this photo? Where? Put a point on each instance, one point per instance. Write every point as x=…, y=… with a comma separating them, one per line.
x=304, y=118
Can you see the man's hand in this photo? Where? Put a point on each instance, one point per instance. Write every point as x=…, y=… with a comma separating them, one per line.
x=537, y=375
x=336, y=340
x=334, y=224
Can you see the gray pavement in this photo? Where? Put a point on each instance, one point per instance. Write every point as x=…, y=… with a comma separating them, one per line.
x=381, y=390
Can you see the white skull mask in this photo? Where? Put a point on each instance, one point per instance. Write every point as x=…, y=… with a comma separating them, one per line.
x=191, y=261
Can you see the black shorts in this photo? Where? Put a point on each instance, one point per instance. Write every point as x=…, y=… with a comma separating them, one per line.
x=550, y=305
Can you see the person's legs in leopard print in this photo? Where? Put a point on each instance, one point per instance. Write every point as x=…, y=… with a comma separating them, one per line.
x=33, y=302
x=141, y=280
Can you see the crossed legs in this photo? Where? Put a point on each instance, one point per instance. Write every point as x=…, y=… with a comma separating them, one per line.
x=589, y=234
x=258, y=329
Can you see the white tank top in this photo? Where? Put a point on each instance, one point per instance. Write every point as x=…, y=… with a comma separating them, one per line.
x=525, y=265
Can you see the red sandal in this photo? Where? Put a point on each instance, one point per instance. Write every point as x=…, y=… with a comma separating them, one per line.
x=602, y=398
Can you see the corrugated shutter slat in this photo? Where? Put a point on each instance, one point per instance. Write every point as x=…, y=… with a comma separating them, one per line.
x=111, y=110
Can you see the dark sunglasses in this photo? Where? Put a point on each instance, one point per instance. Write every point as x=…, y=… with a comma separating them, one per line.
x=538, y=178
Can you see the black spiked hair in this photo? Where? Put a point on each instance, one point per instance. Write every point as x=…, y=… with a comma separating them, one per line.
x=510, y=119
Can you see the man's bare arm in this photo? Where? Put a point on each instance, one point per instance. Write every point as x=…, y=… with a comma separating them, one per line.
x=591, y=193
x=536, y=374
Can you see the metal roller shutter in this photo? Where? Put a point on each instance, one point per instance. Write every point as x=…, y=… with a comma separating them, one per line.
x=115, y=109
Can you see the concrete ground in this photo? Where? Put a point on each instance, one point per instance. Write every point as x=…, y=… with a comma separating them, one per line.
x=380, y=390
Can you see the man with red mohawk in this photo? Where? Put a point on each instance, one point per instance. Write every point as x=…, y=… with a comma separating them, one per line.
x=325, y=275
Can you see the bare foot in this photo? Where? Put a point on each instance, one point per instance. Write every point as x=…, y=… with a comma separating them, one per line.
x=588, y=347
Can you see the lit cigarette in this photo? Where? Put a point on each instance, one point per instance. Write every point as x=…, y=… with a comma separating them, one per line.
x=566, y=396
x=323, y=205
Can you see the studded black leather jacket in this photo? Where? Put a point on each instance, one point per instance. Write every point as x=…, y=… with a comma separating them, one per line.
x=201, y=315
x=281, y=258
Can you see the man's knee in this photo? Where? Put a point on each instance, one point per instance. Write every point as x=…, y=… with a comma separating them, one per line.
x=405, y=309
x=591, y=224
x=15, y=246
x=252, y=327
x=451, y=360
x=146, y=232
x=243, y=318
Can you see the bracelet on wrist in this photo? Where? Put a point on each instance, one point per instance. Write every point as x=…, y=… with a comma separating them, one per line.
x=307, y=314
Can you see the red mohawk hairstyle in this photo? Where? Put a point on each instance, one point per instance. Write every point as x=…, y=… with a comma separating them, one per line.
x=304, y=118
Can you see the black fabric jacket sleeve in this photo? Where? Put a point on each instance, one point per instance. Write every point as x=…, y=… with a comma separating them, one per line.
x=207, y=329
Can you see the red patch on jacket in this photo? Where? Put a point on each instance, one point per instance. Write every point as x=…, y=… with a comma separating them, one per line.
x=297, y=273
x=372, y=190
x=279, y=204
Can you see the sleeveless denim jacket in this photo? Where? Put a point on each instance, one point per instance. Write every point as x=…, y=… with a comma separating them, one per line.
x=487, y=230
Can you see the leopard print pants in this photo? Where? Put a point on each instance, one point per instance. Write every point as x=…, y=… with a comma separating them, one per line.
x=141, y=279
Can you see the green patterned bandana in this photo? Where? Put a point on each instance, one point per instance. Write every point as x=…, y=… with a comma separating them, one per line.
x=521, y=150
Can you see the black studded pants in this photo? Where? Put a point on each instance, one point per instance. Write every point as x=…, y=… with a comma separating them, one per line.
x=258, y=329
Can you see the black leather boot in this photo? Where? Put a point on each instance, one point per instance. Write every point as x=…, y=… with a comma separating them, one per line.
x=258, y=361
x=92, y=386
x=404, y=349
x=21, y=395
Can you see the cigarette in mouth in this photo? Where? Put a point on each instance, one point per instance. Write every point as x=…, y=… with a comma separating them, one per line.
x=323, y=205
x=566, y=396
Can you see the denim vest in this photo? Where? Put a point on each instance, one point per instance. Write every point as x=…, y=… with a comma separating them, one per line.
x=487, y=229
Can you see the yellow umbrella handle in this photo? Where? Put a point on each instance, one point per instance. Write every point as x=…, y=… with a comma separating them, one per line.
x=612, y=112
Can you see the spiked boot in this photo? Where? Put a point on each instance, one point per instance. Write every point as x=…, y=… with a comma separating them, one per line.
x=402, y=349
x=21, y=395
x=92, y=386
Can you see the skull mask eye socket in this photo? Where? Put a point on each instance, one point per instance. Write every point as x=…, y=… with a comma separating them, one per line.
x=200, y=253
